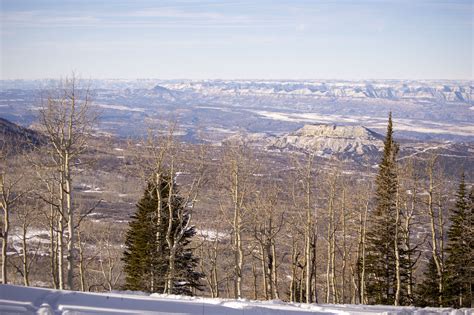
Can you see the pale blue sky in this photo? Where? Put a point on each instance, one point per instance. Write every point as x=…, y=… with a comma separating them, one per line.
x=292, y=39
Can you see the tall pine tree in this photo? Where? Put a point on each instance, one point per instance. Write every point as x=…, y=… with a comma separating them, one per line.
x=146, y=254
x=384, y=236
x=427, y=293
x=460, y=260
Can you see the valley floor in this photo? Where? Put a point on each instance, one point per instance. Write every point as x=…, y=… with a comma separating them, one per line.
x=29, y=300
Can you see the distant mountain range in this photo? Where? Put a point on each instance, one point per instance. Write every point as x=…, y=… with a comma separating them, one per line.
x=446, y=91
x=428, y=90
x=215, y=109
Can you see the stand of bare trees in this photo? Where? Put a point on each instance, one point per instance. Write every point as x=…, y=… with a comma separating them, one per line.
x=12, y=192
x=297, y=232
x=67, y=119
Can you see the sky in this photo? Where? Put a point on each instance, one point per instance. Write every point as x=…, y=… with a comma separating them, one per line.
x=257, y=39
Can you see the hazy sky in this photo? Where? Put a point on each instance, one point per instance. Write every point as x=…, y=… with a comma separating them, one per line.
x=321, y=39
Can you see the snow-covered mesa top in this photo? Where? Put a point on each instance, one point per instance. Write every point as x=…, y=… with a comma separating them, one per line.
x=334, y=131
x=449, y=91
x=321, y=139
x=417, y=90
x=29, y=300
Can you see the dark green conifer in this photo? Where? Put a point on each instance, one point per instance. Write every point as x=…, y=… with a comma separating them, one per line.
x=427, y=293
x=380, y=261
x=146, y=255
x=460, y=260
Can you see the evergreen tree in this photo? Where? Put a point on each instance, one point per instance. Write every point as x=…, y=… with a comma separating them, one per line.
x=460, y=260
x=384, y=230
x=146, y=251
x=427, y=293
x=470, y=245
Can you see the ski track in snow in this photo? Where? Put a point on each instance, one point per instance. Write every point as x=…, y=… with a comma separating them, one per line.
x=29, y=300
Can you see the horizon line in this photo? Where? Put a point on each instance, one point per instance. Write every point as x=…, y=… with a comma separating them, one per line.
x=238, y=79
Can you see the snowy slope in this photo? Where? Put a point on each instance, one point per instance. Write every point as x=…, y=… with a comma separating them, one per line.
x=28, y=300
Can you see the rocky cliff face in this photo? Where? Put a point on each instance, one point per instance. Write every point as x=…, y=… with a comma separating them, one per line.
x=323, y=140
x=331, y=139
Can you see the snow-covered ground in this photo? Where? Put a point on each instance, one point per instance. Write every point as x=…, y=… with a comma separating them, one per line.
x=28, y=300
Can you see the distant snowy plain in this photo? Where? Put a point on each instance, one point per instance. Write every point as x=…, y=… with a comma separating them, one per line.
x=29, y=300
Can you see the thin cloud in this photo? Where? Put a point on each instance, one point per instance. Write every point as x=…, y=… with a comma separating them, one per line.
x=175, y=13
x=157, y=17
x=42, y=18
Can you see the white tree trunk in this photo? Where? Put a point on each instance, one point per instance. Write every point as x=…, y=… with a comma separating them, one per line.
x=434, y=236
x=397, y=251
x=70, y=224
x=6, y=230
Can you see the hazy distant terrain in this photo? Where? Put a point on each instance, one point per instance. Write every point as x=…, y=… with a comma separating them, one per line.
x=214, y=109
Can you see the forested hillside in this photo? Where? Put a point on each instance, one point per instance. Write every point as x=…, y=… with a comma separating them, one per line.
x=93, y=212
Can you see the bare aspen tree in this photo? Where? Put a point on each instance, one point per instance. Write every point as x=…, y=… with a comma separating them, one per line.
x=255, y=281
x=396, y=248
x=237, y=171
x=26, y=215
x=208, y=263
x=295, y=231
x=238, y=193
x=110, y=265
x=363, y=207
x=435, y=233
x=152, y=163
x=266, y=227
x=6, y=203
x=348, y=246
x=331, y=240
x=309, y=227
x=305, y=179
x=81, y=244
x=409, y=212
x=173, y=238
x=294, y=267
x=86, y=256
x=259, y=233
x=47, y=192
x=344, y=242
x=303, y=186
x=66, y=118
x=10, y=195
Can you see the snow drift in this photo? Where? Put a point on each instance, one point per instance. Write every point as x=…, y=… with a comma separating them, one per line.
x=28, y=300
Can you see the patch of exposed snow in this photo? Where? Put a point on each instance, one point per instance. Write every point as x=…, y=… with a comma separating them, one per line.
x=121, y=107
x=211, y=235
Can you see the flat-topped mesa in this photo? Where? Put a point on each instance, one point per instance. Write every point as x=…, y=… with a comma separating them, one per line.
x=334, y=131
x=323, y=140
x=331, y=139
